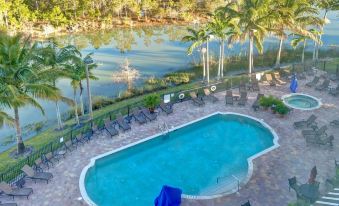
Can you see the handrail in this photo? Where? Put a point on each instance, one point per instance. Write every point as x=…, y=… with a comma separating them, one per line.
x=234, y=177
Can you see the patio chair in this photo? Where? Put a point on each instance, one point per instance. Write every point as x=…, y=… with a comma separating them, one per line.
x=323, y=86
x=335, y=91
x=148, y=114
x=166, y=108
x=229, y=97
x=255, y=86
x=335, y=123
x=110, y=128
x=34, y=175
x=256, y=103
x=37, y=165
x=277, y=78
x=315, y=133
x=8, y=204
x=305, y=123
x=139, y=116
x=196, y=101
x=313, y=82
x=335, y=77
x=293, y=183
x=246, y=204
x=270, y=80
x=76, y=140
x=210, y=96
x=242, y=87
x=87, y=136
x=320, y=140
x=243, y=99
x=15, y=192
x=121, y=122
x=47, y=159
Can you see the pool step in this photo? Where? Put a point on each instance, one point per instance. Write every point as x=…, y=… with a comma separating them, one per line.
x=330, y=199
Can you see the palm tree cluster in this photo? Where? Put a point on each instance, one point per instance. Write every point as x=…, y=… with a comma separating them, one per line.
x=252, y=21
x=29, y=71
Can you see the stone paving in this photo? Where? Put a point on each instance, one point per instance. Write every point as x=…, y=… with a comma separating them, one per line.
x=268, y=185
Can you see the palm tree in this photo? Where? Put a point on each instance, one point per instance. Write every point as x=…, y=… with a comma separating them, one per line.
x=295, y=16
x=5, y=119
x=198, y=38
x=254, y=19
x=21, y=78
x=303, y=39
x=57, y=59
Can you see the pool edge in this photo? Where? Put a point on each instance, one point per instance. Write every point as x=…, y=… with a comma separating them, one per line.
x=302, y=109
x=249, y=160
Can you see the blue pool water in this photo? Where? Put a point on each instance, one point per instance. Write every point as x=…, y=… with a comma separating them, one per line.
x=191, y=158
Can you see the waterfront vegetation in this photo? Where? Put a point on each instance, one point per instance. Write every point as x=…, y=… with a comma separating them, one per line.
x=29, y=69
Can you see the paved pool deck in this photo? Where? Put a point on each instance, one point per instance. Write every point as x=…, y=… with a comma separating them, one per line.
x=268, y=185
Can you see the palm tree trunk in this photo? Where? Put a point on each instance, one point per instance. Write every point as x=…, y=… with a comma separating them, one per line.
x=60, y=125
x=81, y=99
x=277, y=64
x=250, y=55
x=219, y=66
x=203, y=66
x=207, y=63
x=314, y=51
x=303, y=54
x=20, y=143
x=320, y=36
x=76, y=108
x=222, y=58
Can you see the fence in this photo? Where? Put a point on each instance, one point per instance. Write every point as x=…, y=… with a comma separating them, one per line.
x=14, y=173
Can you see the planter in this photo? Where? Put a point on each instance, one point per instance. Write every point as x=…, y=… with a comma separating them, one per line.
x=151, y=110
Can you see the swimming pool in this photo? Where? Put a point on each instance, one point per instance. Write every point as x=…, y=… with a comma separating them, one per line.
x=301, y=101
x=203, y=158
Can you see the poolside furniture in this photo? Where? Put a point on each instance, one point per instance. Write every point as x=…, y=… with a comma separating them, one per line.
x=242, y=87
x=270, y=80
x=313, y=82
x=256, y=103
x=255, y=86
x=15, y=192
x=139, y=116
x=210, y=96
x=277, y=78
x=197, y=101
x=229, y=97
x=335, y=123
x=47, y=159
x=37, y=165
x=76, y=140
x=243, y=99
x=334, y=91
x=8, y=204
x=121, y=122
x=246, y=204
x=305, y=123
x=318, y=132
x=166, y=108
x=335, y=77
x=69, y=145
x=324, y=85
x=331, y=198
x=293, y=183
x=110, y=128
x=86, y=136
x=148, y=114
x=309, y=192
x=94, y=128
x=34, y=175
x=320, y=140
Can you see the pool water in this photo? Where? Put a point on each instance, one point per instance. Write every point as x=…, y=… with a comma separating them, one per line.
x=301, y=101
x=192, y=158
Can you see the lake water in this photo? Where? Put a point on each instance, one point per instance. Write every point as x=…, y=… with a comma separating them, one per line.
x=154, y=51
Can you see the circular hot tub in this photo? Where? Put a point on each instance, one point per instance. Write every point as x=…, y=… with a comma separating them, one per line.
x=301, y=101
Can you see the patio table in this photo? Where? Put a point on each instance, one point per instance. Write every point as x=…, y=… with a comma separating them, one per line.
x=309, y=191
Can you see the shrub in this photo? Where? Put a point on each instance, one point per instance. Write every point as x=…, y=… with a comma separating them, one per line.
x=179, y=77
x=100, y=101
x=281, y=108
x=152, y=100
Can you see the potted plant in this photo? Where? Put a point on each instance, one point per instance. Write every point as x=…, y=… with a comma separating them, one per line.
x=282, y=109
x=151, y=101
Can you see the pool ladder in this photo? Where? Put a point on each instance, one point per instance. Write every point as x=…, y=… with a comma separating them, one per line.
x=164, y=129
x=234, y=177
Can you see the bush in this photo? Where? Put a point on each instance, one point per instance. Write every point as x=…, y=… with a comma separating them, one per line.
x=100, y=101
x=179, y=77
x=281, y=108
x=151, y=101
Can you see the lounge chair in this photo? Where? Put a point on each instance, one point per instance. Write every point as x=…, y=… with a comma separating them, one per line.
x=320, y=140
x=139, y=116
x=148, y=114
x=313, y=82
x=335, y=123
x=76, y=140
x=34, y=175
x=121, y=122
x=37, y=165
x=8, y=204
x=277, y=78
x=270, y=80
x=47, y=159
x=15, y=192
x=246, y=204
x=243, y=99
x=210, y=96
x=110, y=128
x=334, y=91
x=324, y=85
x=197, y=101
x=256, y=103
x=166, y=108
x=318, y=132
x=305, y=123
x=229, y=97
x=242, y=87
x=255, y=86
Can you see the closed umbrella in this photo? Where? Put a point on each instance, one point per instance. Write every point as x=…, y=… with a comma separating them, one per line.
x=294, y=84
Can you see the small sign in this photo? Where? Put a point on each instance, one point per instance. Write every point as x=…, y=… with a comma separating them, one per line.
x=61, y=139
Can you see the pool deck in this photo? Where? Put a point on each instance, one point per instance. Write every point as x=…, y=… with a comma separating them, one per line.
x=268, y=185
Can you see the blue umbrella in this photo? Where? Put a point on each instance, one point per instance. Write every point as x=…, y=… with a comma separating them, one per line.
x=294, y=84
x=169, y=196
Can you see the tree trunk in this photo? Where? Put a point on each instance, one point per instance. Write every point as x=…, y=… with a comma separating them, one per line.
x=250, y=54
x=60, y=125
x=277, y=64
x=76, y=108
x=89, y=94
x=20, y=143
x=207, y=63
x=320, y=37
x=219, y=64
x=314, y=51
x=222, y=58
x=81, y=99
x=303, y=54
x=203, y=66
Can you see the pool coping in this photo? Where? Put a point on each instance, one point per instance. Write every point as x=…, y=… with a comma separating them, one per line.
x=303, y=109
x=249, y=160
